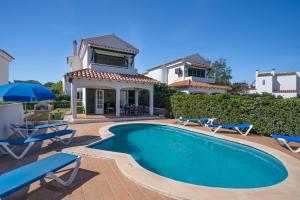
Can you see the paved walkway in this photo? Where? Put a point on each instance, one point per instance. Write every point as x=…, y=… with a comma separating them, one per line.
x=97, y=178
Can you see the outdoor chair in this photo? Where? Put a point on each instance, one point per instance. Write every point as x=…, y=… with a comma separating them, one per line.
x=19, y=178
x=185, y=121
x=284, y=140
x=214, y=127
x=9, y=145
x=29, y=130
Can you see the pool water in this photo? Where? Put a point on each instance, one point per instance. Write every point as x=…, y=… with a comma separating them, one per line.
x=195, y=158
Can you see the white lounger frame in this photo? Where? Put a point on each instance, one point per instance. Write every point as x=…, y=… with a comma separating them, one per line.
x=215, y=129
x=283, y=142
x=184, y=123
x=24, y=132
x=9, y=150
x=67, y=182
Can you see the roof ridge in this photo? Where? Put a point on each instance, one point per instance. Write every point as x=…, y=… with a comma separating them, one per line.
x=189, y=82
x=90, y=73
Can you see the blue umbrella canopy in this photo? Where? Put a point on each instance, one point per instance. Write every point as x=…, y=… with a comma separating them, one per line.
x=25, y=92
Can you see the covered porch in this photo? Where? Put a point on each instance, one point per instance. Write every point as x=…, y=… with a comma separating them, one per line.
x=110, y=97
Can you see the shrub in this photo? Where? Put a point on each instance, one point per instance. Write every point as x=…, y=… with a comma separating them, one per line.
x=267, y=114
x=61, y=97
x=162, y=96
x=61, y=104
x=80, y=109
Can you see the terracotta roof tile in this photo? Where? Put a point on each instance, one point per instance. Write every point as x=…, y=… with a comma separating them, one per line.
x=284, y=91
x=187, y=83
x=92, y=74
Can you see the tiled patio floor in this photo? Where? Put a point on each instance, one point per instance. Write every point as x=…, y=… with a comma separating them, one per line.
x=97, y=178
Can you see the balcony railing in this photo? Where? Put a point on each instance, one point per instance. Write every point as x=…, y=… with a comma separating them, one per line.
x=199, y=79
x=112, y=69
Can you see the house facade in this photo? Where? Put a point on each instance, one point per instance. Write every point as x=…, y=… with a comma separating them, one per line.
x=5, y=59
x=188, y=74
x=285, y=84
x=103, y=75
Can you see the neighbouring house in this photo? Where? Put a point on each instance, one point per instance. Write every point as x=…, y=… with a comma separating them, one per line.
x=5, y=59
x=285, y=84
x=103, y=74
x=188, y=74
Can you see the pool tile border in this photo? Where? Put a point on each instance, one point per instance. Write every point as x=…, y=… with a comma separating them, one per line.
x=287, y=189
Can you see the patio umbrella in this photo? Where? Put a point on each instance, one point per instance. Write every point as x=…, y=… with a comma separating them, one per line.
x=25, y=92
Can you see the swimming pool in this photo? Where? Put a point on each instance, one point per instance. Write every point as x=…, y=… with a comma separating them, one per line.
x=195, y=158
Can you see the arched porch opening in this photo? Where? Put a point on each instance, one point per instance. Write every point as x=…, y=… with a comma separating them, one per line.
x=108, y=97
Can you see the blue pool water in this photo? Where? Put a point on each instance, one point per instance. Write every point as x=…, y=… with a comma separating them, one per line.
x=195, y=158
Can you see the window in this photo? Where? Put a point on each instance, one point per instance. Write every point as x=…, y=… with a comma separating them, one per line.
x=111, y=60
x=264, y=82
x=79, y=95
x=131, y=97
x=196, y=72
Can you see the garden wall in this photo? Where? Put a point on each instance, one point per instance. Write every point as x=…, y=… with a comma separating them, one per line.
x=9, y=113
x=268, y=115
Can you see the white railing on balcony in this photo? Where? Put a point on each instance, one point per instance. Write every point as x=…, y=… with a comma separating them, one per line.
x=112, y=69
x=199, y=79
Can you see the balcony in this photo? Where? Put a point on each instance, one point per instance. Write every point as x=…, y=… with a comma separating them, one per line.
x=199, y=79
x=113, y=69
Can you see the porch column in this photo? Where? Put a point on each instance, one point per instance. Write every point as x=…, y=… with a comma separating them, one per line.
x=73, y=100
x=151, y=94
x=118, y=99
x=136, y=97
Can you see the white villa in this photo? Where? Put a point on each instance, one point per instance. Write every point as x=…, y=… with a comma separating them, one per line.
x=188, y=74
x=285, y=84
x=104, y=76
x=5, y=59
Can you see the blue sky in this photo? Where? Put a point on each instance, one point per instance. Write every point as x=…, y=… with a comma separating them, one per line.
x=250, y=35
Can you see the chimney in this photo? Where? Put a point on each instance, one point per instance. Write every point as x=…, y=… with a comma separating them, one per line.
x=74, y=48
x=256, y=72
x=273, y=72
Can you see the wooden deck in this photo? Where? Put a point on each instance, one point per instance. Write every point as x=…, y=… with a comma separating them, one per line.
x=97, y=178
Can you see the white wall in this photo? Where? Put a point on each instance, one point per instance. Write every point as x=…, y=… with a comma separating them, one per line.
x=10, y=113
x=85, y=59
x=4, y=71
x=172, y=77
x=286, y=82
x=75, y=63
x=193, y=90
x=285, y=94
x=156, y=74
x=166, y=74
x=268, y=87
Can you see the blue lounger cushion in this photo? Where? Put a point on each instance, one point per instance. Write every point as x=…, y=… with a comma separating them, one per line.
x=25, y=175
x=193, y=119
x=287, y=138
x=43, y=126
x=231, y=126
x=37, y=138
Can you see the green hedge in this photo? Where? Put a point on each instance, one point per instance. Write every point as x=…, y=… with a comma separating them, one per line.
x=268, y=115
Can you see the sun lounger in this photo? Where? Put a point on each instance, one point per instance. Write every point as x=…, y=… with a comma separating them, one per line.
x=284, y=140
x=14, y=180
x=27, y=131
x=215, y=127
x=8, y=145
x=185, y=121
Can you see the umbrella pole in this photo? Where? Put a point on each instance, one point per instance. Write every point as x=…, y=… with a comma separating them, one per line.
x=26, y=121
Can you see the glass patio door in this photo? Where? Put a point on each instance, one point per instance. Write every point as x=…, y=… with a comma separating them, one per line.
x=99, y=101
